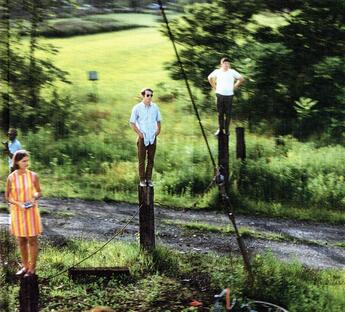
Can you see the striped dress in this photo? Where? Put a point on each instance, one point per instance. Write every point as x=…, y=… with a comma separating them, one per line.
x=25, y=222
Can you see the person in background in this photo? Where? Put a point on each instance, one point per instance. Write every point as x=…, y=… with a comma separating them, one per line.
x=11, y=146
x=145, y=120
x=22, y=192
x=224, y=81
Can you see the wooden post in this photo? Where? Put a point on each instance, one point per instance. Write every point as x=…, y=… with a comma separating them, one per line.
x=28, y=294
x=146, y=217
x=240, y=144
x=223, y=158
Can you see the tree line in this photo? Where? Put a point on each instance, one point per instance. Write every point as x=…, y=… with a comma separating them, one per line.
x=295, y=68
x=29, y=98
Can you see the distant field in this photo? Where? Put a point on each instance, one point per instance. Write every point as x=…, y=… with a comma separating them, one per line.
x=278, y=180
x=126, y=61
x=93, y=24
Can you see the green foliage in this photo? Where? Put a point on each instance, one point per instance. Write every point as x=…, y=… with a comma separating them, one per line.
x=168, y=280
x=93, y=154
x=283, y=63
x=305, y=175
x=206, y=30
x=305, y=69
x=83, y=26
x=305, y=107
x=26, y=77
x=295, y=287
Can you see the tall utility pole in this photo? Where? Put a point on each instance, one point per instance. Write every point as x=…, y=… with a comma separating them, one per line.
x=223, y=164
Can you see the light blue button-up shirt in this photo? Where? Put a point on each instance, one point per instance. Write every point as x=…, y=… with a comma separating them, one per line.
x=13, y=147
x=146, y=117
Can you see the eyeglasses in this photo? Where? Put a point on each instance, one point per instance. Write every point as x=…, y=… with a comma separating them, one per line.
x=149, y=95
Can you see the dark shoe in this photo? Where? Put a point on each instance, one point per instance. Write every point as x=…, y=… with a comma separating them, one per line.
x=21, y=272
x=29, y=274
x=142, y=183
x=149, y=183
x=219, y=131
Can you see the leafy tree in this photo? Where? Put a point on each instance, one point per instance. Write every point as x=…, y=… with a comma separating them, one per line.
x=301, y=58
x=207, y=32
x=27, y=78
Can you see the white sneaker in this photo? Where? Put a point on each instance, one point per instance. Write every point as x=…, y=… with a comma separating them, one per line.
x=149, y=183
x=142, y=183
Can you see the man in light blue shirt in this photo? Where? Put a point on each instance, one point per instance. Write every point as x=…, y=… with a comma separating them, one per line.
x=146, y=122
x=11, y=146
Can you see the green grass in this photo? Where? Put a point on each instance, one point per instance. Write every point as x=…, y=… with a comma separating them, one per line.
x=247, y=232
x=244, y=231
x=101, y=164
x=169, y=281
x=64, y=214
x=280, y=210
x=128, y=18
x=4, y=208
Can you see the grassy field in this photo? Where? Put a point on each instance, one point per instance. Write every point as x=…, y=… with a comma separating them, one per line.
x=126, y=62
x=295, y=180
x=101, y=164
x=170, y=281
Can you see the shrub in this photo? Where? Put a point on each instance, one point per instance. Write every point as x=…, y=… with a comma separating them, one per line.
x=84, y=26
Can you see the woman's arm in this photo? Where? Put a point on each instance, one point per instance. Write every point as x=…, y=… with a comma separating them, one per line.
x=38, y=193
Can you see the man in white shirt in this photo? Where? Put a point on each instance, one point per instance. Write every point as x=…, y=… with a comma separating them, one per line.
x=146, y=122
x=224, y=81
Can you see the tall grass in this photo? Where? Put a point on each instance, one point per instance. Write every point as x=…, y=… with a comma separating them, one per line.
x=169, y=280
x=101, y=163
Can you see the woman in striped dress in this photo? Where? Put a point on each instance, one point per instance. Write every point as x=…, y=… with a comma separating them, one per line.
x=22, y=191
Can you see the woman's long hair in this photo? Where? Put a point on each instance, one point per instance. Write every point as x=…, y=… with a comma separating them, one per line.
x=18, y=156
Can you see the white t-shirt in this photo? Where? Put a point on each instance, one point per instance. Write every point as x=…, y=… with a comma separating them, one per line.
x=225, y=80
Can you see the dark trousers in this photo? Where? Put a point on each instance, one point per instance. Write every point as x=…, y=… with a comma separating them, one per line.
x=143, y=153
x=224, y=105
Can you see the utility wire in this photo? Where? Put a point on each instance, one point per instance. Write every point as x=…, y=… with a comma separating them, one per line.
x=117, y=233
x=171, y=36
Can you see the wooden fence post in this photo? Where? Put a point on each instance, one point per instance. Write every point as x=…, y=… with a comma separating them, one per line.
x=28, y=294
x=223, y=158
x=240, y=144
x=146, y=217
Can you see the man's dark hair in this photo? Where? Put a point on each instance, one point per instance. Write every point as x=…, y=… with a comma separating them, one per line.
x=142, y=92
x=13, y=130
x=224, y=59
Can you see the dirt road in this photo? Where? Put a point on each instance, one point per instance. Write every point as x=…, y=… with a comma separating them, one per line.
x=313, y=244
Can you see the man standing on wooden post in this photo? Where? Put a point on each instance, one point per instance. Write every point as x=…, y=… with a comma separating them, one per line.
x=224, y=80
x=146, y=122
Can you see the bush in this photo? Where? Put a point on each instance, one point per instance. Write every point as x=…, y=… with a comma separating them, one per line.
x=297, y=288
x=306, y=175
x=84, y=26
